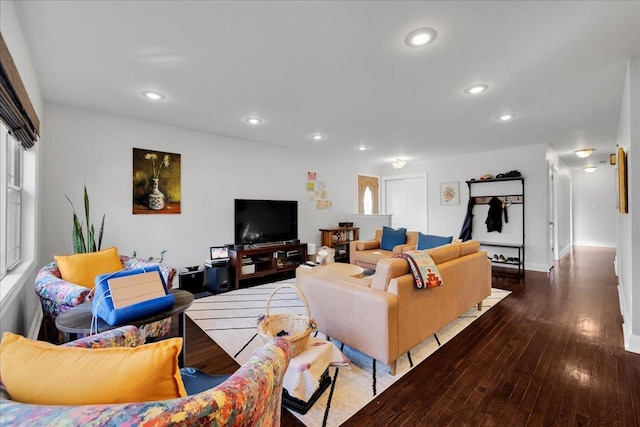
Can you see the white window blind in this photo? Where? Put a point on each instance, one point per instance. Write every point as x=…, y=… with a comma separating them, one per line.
x=16, y=110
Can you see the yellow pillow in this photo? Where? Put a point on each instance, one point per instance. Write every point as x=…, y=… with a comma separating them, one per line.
x=82, y=269
x=46, y=374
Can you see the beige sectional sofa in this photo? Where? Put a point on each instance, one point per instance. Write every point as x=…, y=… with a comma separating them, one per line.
x=385, y=315
x=367, y=253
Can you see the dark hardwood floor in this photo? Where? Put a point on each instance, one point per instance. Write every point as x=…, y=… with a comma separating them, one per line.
x=550, y=354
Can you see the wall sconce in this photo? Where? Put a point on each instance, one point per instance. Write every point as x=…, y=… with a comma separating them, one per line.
x=398, y=164
x=584, y=153
x=590, y=169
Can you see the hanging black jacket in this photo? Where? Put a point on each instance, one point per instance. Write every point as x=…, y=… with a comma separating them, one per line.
x=465, y=233
x=494, y=218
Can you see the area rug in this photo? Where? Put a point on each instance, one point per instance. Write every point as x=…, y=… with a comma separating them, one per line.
x=230, y=320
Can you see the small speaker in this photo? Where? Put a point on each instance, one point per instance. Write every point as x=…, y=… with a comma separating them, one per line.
x=345, y=224
x=216, y=279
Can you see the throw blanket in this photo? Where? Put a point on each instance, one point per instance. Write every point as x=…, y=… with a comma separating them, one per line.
x=424, y=270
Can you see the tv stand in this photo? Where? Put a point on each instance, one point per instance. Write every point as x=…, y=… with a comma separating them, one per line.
x=266, y=262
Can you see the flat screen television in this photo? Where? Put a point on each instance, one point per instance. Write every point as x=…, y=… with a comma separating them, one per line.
x=265, y=221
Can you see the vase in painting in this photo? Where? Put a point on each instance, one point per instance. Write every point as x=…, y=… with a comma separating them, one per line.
x=156, y=198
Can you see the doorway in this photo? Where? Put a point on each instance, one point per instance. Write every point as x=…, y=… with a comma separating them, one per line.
x=405, y=197
x=368, y=190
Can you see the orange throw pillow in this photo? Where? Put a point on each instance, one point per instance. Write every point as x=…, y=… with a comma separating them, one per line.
x=82, y=269
x=45, y=374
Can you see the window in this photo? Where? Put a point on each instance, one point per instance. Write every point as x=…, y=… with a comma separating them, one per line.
x=367, y=200
x=368, y=194
x=11, y=197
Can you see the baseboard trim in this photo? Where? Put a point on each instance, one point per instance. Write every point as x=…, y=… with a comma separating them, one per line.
x=34, y=331
x=595, y=244
x=543, y=268
x=631, y=341
x=564, y=252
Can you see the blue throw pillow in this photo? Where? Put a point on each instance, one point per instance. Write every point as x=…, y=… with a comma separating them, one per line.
x=427, y=241
x=392, y=238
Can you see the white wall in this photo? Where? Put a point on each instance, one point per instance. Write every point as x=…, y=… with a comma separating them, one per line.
x=19, y=306
x=96, y=149
x=628, y=225
x=447, y=220
x=594, y=207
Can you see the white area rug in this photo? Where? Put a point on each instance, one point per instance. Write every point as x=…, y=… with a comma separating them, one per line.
x=230, y=319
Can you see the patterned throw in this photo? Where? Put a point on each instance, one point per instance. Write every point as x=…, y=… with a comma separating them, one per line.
x=423, y=268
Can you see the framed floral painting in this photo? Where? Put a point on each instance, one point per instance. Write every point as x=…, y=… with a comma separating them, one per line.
x=156, y=182
x=450, y=193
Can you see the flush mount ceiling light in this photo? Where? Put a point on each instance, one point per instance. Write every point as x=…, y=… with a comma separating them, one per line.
x=317, y=137
x=590, y=169
x=254, y=121
x=476, y=89
x=584, y=153
x=506, y=117
x=421, y=37
x=398, y=164
x=155, y=96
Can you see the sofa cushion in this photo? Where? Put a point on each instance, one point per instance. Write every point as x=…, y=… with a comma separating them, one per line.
x=444, y=253
x=392, y=238
x=82, y=269
x=469, y=247
x=371, y=258
x=387, y=269
x=366, y=245
x=42, y=373
x=428, y=241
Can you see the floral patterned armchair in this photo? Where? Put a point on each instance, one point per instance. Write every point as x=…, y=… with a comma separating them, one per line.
x=57, y=296
x=252, y=396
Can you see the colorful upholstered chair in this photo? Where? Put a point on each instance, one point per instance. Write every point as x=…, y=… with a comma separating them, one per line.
x=252, y=396
x=57, y=296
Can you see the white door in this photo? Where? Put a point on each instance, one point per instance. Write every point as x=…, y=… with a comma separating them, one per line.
x=405, y=197
x=551, y=216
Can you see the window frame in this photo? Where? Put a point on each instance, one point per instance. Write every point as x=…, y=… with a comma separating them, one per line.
x=11, y=182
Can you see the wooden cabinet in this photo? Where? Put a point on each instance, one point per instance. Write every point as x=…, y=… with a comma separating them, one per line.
x=339, y=239
x=264, y=261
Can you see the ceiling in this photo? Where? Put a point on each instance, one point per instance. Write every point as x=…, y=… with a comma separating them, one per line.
x=343, y=69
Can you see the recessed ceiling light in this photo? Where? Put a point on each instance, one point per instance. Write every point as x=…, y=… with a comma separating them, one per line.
x=317, y=137
x=584, y=153
x=475, y=89
x=590, y=169
x=421, y=37
x=254, y=121
x=506, y=117
x=156, y=96
x=363, y=148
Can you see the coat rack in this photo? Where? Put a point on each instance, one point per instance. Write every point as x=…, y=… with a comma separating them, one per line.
x=507, y=200
x=516, y=199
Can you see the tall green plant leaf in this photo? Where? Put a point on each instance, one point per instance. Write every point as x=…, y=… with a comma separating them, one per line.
x=80, y=245
x=90, y=244
x=92, y=241
x=101, y=231
x=78, y=237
